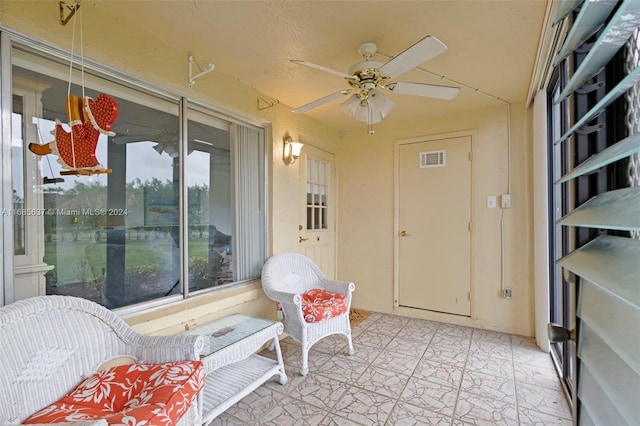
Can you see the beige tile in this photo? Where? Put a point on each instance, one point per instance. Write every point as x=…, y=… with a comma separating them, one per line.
x=409, y=347
x=492, y=348
x=395, y=362
x=530, y=417
x=485, y=363
x=543, y=400
x=364, y=407
x=405, y=414
x=335, y=420
x=439, y=373
x=538, y=376
x=482, y=410
x=343, y=369
x=410, y=372
x=372, y=338
x=491, y=336
x=382, y=381
x=431, y=396
x=488, y=386
x=364, y=354
x=453, y=355
x=318, y=390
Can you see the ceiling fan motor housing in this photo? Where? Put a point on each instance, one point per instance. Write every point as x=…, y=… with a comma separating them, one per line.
x=367, y=50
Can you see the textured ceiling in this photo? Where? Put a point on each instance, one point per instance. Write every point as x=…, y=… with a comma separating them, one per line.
x=491, y=45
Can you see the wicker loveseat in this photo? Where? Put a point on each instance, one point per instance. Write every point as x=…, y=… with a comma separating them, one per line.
x=50, y=344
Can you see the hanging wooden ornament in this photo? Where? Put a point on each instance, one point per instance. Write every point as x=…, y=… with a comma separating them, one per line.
x=76, y=150
x=88, y=119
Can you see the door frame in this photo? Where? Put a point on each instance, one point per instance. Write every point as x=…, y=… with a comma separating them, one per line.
x=472, y=214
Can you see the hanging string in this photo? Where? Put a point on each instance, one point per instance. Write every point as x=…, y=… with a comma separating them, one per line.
x=71, y=122
x=82, y=55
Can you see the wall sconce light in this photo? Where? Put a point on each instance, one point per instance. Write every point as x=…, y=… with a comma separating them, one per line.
x=291, y=150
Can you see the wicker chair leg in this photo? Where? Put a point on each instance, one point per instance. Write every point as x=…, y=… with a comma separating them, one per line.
x=350, y=351
x=305, y=360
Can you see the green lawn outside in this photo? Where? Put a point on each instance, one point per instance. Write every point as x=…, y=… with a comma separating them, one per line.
x=85, y=260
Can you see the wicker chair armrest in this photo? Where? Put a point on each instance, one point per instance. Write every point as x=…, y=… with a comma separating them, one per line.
x=283, y=297
x=341, y=287
x=160, y=349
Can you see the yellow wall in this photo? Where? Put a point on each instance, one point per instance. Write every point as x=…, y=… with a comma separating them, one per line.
x=366, y=216
x=366, y=200
x=108, y=40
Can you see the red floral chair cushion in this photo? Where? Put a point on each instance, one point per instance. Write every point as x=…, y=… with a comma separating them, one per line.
x=138, y=394
x=319, y=304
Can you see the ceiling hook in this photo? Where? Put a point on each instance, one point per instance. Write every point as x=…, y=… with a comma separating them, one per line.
x=264, y=104
x=192, y=77
x=72, y=11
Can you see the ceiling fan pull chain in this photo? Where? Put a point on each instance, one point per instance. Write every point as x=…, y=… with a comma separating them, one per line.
x=370, y=118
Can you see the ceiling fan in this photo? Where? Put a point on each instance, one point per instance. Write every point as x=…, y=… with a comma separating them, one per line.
x=368, y=80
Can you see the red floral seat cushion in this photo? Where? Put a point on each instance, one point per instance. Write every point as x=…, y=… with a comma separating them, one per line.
x=319, y=304
x=138, y=394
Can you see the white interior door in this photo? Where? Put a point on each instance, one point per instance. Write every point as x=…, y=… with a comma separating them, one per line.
x=317, y=239
x=434, y=219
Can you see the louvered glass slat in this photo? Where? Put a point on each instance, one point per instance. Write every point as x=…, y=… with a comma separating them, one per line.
x=592, y=15
x=623, y=149
x=625, y=84
x=611, y=263
x=596, y=403
x=615, y=35
x=619, y=210
x=612, y=397
x=615, y=320
x=565, y=8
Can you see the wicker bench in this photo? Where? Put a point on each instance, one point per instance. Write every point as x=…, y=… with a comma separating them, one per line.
x=49, y=344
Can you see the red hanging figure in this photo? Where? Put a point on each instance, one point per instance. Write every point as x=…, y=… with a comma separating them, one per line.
x=76, y=150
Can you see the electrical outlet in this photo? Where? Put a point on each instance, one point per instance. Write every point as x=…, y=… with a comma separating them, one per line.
x=507, y=293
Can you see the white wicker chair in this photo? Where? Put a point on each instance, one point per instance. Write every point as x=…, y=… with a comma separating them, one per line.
x=285, y=277
x=49, y=343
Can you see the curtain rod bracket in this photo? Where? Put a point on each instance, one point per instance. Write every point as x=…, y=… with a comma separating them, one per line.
x=192, y=78
x=72, y=11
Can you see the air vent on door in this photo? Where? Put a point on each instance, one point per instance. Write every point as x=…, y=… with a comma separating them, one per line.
x=433, y=159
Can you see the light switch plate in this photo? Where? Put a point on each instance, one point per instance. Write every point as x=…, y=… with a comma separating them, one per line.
x=505, y=201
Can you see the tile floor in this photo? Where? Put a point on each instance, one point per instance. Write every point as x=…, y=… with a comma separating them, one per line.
x=410, y=372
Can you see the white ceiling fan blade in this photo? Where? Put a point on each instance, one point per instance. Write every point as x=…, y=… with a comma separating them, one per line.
x=427, y=48
x=320, y=101
x=426, y=90
x=321, y=68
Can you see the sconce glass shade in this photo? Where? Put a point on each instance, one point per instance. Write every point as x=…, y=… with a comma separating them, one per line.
x=291, y=150
x=296, y=147
x=370, y=110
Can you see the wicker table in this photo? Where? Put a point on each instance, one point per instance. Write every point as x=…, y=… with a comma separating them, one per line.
x=232, y=367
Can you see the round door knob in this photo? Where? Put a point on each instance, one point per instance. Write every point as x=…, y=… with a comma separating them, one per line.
x=403, y=233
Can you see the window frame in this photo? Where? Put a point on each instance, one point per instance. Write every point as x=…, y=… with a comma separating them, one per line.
x=122, y=81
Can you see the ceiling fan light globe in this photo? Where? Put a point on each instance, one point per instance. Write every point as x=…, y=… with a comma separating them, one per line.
x=368, y=115
x=351, y=105
x=380, y=102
